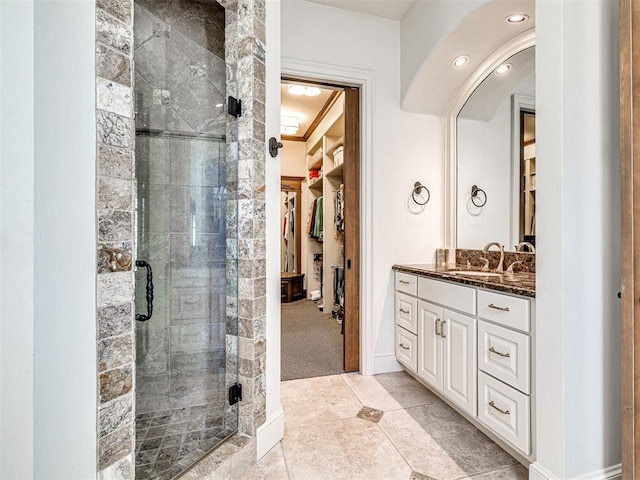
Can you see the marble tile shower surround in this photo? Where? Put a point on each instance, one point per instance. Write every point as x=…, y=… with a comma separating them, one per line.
x=407, y=432
x=244, y=51
x=473, y=257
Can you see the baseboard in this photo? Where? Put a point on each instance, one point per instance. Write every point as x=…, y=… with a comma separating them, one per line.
x=538, y=472
x=386, y=364
x=269, y=433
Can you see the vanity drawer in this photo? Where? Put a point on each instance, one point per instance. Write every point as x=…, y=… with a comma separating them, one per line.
x=406, y=283
x=504, y=354
x=504, y=309
x=505, y=411
x=407, y=348
x=452, y=296
x=406, y=312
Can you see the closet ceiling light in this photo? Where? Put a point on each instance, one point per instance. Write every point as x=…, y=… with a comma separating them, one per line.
x=302, y=90
x=289, y=125
x=460, y=61
x=503, y=69
x=517, y=18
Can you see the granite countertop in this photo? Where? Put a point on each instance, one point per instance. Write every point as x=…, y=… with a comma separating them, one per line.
x=520, y=283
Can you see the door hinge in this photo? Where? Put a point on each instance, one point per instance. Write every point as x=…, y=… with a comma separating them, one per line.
x=234, y=106
x=235, y=393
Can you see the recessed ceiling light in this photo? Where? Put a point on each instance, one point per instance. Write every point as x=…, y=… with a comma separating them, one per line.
x=503, y=69
x=302, y=90
x=517, y=18
x=219, y=105
x=460, y=61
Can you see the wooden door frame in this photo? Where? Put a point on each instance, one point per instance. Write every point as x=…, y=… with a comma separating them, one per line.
x=629, y=33
x=364, y=80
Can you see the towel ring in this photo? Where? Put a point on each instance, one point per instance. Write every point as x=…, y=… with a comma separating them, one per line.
x=474, y=196
x=417, y=190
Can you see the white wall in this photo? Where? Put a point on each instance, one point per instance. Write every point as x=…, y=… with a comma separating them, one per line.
x=293, y=159
x=16, y=240
x=406, y=147
x=578, y=268
x=484, y=159
x=424, y=25
x=65, y=241
x=273, y=429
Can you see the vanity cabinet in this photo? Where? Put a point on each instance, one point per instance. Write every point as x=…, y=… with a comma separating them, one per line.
x=473, y=347
x=447, y=353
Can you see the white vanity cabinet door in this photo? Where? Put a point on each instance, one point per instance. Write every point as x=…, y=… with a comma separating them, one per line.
x=512, y=312
x=459, y=353
x=430, y=344
x=406, y=348
x=406, y=308
x=505, y=411
x=406, y=283
x=504, y=354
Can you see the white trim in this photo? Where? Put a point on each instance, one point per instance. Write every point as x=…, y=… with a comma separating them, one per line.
x=497, y=57
x=269, y=434
x=386, y=364
x=365, y=79
x=518, y=103
x=538, y=472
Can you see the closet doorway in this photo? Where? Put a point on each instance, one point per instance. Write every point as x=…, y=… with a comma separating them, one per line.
x=320, y=243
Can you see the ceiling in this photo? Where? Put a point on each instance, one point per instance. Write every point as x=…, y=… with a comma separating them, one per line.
x=304, y=108
x=393, y=9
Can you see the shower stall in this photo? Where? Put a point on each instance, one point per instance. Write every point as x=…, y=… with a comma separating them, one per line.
x=186, y=288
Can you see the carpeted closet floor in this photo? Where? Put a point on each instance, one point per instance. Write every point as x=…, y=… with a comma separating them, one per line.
x=311, y=342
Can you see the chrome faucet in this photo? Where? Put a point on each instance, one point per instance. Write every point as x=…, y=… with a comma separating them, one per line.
x=500, y=267
x=521, y=245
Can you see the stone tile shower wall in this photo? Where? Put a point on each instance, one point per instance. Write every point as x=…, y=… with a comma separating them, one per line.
x=115, y=217
x=245, y=39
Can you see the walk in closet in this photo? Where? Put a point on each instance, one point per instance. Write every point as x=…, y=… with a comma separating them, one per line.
x=313, y=206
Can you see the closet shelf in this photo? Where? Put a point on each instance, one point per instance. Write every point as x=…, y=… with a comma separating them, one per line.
x=336, y=171
x=316, y=184
x=339, y=143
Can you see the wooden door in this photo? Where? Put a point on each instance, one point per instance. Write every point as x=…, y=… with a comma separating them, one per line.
x=429, y=344
x=352, y=229
x=459, y=365
x=630, y=214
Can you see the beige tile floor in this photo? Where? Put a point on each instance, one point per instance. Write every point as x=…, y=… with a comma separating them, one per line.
x=385, y=427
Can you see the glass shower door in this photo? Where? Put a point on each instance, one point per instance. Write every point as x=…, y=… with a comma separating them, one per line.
x=183, y=368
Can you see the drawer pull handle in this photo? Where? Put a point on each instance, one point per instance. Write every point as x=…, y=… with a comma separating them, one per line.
x=493, y=350
x=404, y=281
x=402, y=310
x=444, y=322
x=438, y=327
x=495, y=307
x=504, y=412
x=403, y=346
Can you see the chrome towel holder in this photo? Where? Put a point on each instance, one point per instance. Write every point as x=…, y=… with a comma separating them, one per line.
x=477, y=201
x=417, y=190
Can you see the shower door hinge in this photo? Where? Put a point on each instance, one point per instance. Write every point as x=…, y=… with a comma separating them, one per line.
x=235, y=393
x=234, y=106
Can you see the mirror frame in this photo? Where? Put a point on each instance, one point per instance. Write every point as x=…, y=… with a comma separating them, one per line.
x=494, y=59
x=290, y=184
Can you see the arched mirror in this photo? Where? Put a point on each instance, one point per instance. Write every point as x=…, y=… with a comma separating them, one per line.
x=492, y=151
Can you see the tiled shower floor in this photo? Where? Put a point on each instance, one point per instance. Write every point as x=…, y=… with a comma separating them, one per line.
x=169, y=441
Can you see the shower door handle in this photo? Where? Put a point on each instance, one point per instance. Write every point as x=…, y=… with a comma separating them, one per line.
x=149, y=296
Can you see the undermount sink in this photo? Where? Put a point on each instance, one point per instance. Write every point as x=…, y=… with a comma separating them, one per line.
x=475, y=273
